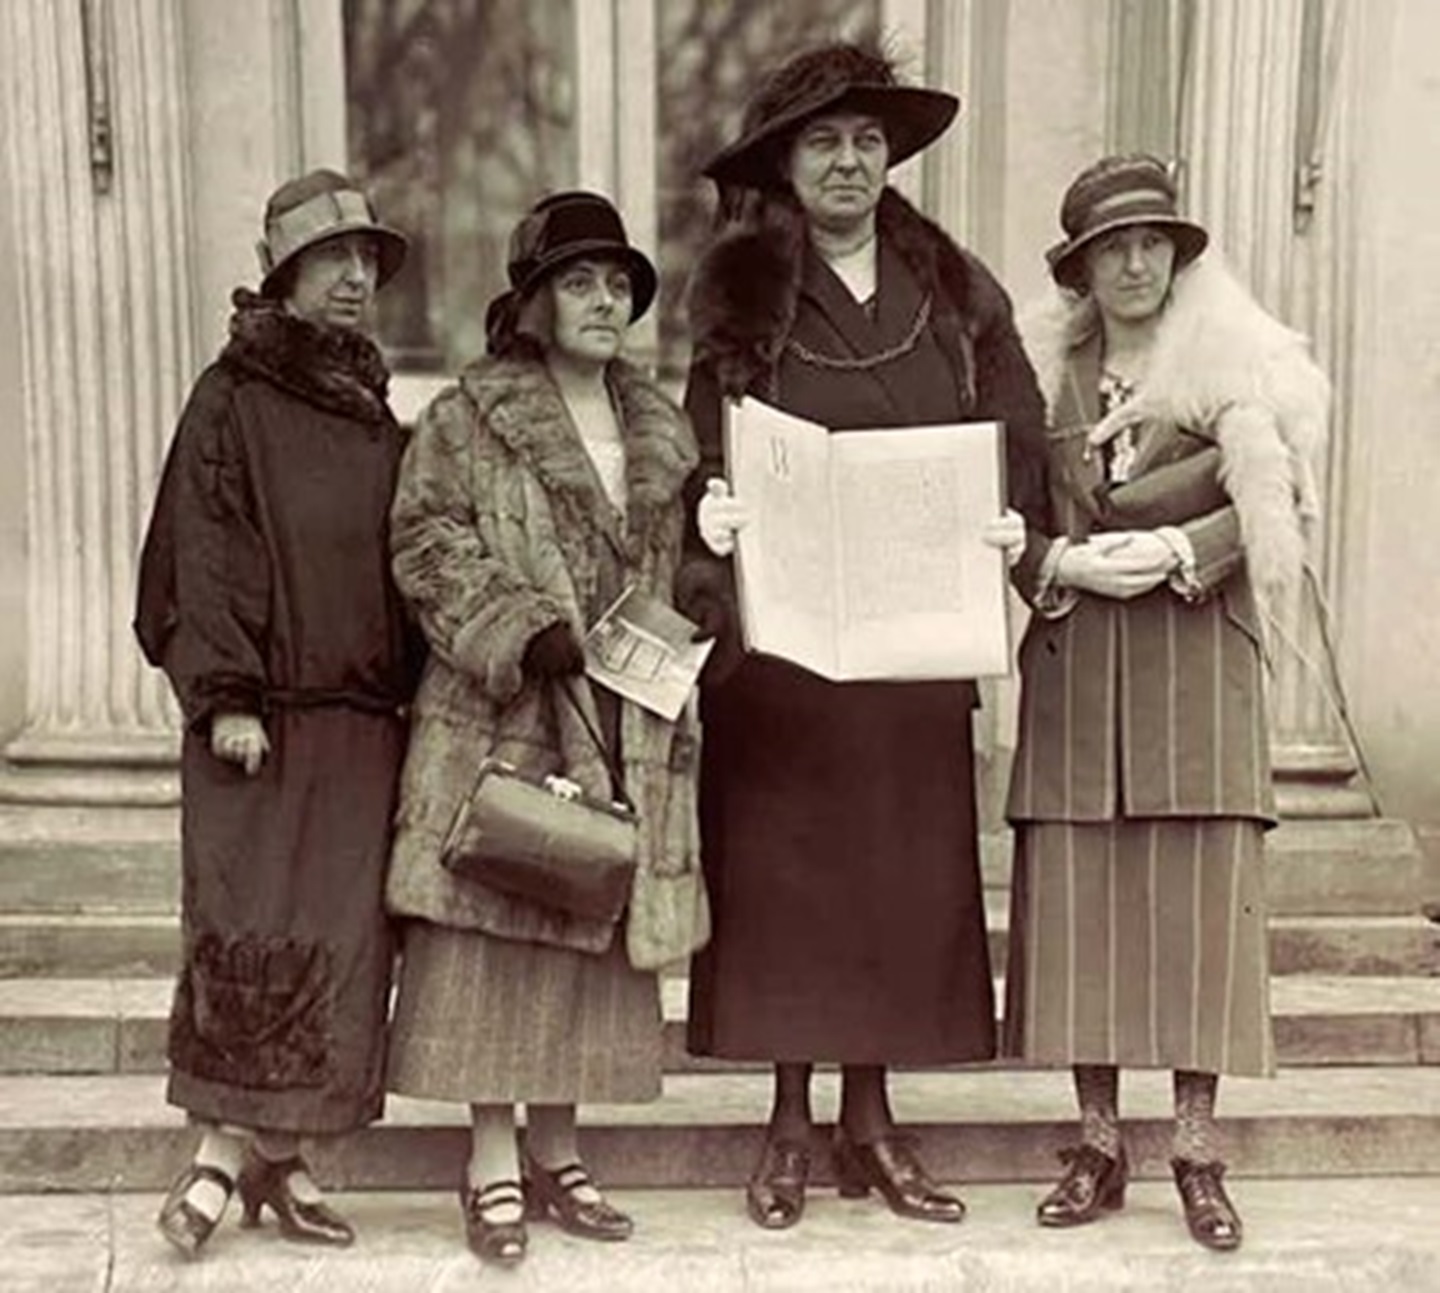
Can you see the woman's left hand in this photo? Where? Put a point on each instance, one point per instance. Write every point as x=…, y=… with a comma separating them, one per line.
x=1006, y=532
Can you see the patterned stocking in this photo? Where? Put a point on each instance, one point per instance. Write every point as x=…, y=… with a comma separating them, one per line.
x=1195, y=1132
x=1097, y=1088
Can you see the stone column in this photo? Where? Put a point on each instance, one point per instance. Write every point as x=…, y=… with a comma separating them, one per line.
x=1253, y=70
x=96, y=163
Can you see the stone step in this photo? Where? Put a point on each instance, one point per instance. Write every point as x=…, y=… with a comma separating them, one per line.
x=1315, y=1236
x=60, y=1026
x=117, y=1132
x=116, y=944
x=108, y=863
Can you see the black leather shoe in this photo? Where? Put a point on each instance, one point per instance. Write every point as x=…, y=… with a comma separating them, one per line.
x=265, y=1184
x=890, y=1166
x=180, y=1221
x=1093, y=1183
x=553, y=1193
x=501, y=1243
x=1209, y=1213
x=775, y=1193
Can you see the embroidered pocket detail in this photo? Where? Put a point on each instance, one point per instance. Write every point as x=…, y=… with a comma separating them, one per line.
x=255, y=1012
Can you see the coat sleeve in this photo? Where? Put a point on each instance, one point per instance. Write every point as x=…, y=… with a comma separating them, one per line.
x=204, y=603
x=477, y=611
x=1006, y=391
x=705, y=583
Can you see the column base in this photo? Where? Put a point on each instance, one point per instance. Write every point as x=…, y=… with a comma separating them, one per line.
x=90, y=768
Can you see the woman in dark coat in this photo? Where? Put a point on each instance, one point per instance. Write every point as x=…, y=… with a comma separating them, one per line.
x=266, y=598
x=1182, y=421
x=538, y=488
x=838, y=820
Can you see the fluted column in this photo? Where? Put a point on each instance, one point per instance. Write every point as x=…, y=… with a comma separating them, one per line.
x=95, y=105
x=1243, y=115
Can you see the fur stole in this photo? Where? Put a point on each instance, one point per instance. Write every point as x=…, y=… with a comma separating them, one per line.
x=335, y=369
x=1222, y=365
x=518, y=401
x=744, y=293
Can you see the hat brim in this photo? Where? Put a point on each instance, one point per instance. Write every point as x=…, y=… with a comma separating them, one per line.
x=912, y=117
x=391, y=245
x=643, y=280
x=1067, y=259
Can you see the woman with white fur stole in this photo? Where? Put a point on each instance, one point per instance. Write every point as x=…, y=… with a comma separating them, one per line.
x=1182, y=421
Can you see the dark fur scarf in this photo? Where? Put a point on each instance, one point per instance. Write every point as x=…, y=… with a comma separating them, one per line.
x=335, y=369
x=744, y=294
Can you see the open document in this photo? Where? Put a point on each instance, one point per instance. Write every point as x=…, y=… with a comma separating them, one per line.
x=641, y=648
x=862, y=556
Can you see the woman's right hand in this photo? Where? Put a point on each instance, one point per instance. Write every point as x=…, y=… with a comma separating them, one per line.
x=1122, y=565
x=719, y=517
x=554, y=652
x=239, y=738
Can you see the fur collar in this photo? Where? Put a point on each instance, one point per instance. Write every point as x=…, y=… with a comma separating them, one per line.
x=519, y=402
x=747, y=285
x=1223, y=365
x=334, y=369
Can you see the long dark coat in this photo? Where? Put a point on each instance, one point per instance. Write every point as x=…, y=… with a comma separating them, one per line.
x=838, y=820
x=264, y=590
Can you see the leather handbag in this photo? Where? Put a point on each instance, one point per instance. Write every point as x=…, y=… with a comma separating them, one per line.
x=570, y=853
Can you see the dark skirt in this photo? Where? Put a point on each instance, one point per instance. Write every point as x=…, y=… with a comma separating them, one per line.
x=496, y=1021
x=278, y=1020
x=1142, y=944
x=839, y=837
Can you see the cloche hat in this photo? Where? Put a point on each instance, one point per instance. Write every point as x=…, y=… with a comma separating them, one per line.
x=321, y=205
x=829, y=78
x=569, y=226
x=1114, y=193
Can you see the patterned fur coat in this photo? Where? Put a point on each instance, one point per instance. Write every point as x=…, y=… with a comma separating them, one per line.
x=497, y=531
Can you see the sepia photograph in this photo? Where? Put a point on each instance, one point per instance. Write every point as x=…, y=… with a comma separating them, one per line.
x=742, y=645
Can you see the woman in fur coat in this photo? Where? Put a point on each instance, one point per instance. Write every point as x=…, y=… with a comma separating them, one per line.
x=1182, y=421
x=535, y=490
x=839, y=820
x=265, y=595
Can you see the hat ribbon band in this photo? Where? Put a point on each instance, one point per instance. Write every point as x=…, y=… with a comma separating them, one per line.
x=1144, y=203
x=297, y=226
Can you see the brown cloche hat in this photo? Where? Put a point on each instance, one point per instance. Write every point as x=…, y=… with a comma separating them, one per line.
x=1114, y=193
x=321, y=205
x=829, y=78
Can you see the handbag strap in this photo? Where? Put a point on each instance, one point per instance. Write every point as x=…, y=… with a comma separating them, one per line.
x=612, y=764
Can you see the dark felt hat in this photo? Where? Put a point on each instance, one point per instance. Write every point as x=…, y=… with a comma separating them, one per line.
x=840, y=77
x=314, y=208
x=1115, y=193
x=570, y=226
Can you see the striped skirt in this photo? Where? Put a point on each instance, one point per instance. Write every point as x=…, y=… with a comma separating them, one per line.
x=1141, y=944
x=493, y=1021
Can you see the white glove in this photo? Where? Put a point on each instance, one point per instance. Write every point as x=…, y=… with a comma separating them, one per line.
x=239, y=738
x=1121, y=564
x=720, y=517
x=1006, y=532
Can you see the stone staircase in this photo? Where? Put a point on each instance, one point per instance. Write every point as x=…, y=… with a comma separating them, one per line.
x=89, y=939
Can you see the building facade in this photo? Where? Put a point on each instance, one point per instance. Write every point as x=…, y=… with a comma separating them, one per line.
x=142, y=137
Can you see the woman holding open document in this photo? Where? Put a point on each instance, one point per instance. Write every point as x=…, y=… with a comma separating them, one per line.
x=838, y=819
x=1181, y=420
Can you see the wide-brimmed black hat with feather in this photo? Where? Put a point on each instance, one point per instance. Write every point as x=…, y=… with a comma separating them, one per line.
x=839, y=77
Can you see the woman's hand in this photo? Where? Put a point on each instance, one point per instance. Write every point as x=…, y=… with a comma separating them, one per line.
x=719, y=517
x=1122, y=564
x=1006, y=532
x=554, y=652
x=239, y=738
